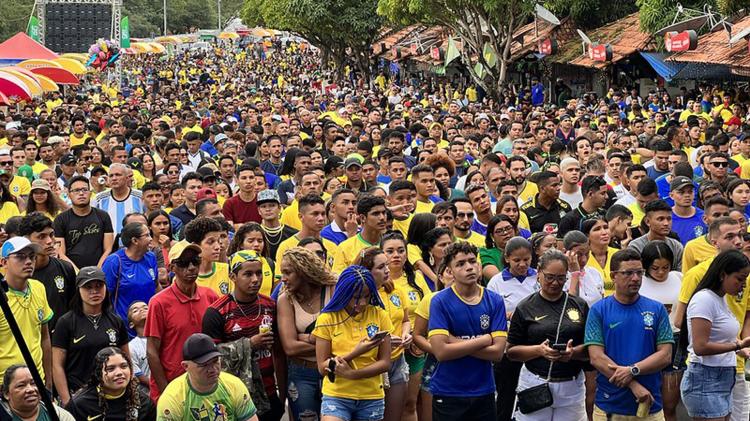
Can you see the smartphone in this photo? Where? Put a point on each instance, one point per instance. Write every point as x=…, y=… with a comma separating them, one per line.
x=332, y=370
x=559, y=347
x=379, y=335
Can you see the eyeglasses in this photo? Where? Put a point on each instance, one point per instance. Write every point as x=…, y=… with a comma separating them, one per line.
x=321, y=254
x=555, y=278
x=630, y=273
x=81, y=190
x=173, y=172
x=196, y=261
x=503, y=230
x=720, y=164
x=24, y=256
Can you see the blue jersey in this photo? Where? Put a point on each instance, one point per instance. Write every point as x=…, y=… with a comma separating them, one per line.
x=449, y=315
x=628, y=333
x=132, y=280
x=689, y=228
x=336, y=237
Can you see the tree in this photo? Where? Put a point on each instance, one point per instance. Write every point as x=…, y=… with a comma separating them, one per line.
x=343, y=30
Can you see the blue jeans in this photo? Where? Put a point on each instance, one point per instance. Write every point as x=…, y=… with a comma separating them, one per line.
x=304, y=390
x=707, y=391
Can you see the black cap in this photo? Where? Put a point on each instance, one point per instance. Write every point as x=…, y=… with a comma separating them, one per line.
x=68, y=159
x=88, y=274
x=206, y=173
x=199, y=348
x=134, y=163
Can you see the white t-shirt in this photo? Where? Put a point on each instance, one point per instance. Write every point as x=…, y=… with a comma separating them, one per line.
x=664, y=292
x=705, y=304
x=590, y=286
x=513, y=290
x=137, y=348
x=573, y=199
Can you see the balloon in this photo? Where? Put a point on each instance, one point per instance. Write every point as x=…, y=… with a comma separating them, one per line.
x=102, y=45
x=91, y=60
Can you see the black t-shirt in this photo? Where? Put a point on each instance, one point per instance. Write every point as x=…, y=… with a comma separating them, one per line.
x=85, y=406
x=84, y=235
x=59, y=280
x=536, y=319
x=76, y=335
x=273, y=241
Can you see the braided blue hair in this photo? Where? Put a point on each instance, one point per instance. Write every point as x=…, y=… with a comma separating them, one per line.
x=352, y=282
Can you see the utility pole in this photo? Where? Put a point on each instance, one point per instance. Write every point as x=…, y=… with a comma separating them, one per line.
x=165, y=17
x=218, y=2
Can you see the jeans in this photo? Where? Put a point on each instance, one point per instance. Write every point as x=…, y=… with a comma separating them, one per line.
x=304, y=390
x=707, y=391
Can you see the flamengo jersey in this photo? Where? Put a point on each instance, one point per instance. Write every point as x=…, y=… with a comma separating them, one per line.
x=450, y=315
x=116, y=209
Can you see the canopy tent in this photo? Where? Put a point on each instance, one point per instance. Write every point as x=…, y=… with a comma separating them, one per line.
x=32, y=84
x=46, y=83
x=229, y=35
x=21, y=47
x=73, y=66
x=34, y=63
x=57, y=74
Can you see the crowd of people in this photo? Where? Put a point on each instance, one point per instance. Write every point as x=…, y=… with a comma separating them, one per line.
x=229, y=235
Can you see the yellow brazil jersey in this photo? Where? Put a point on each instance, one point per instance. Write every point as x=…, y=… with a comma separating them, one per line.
x=740, y=159
x=268, y=278
x=39, y=167
x=347, y=252
x=609, y=286
x=394, y=302
x=20, y=186
x=412, y=295
x=75, y=140
x=697, y=250
x=218, y=279
x=528, y=192
x=738, y=304
x=7, y=211
x=138, y=180
x=474, y=238
x=402, y=226
x=294, y=240
x=423, y=308
x=31, y=311
x=745, y=170
x=424, y=207
x=230, y=400
x=345, y=332
x=638, y=213
x=413, y=253
x=290, y=216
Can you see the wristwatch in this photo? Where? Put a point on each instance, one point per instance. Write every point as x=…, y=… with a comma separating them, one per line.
x=634, y=370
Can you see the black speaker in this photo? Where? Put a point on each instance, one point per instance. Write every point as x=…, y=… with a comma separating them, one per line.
x=73, y=27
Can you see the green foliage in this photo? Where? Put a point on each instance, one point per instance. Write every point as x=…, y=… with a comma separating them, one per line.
x=14, y=16
x=656, y=14
x=589, y=14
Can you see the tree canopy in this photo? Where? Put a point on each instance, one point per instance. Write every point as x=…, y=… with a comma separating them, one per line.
x=343, y=29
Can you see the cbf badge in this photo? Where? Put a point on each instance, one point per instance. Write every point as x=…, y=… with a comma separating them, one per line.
x=648, y=319
x=484, y=321
x=112, y=335
x=372, y=329
x=396, y=300
x=574, y=315
x=40, y=314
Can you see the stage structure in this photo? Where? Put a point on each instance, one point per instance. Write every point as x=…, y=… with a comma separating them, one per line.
x=72, y=26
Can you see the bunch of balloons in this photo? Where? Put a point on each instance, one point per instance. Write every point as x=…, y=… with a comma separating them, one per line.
x=104, y=53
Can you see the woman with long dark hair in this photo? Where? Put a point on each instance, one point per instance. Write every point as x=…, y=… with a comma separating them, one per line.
x=420, y=224
x=8, y=205
x=86, y=328
x=500, y=229
x=712, y=332
x=112, y=393
x=250, y=237
x=41, y=199
x=432, y=247
x=412, y=283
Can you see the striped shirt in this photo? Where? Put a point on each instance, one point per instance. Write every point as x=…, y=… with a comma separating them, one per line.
x=118, y=209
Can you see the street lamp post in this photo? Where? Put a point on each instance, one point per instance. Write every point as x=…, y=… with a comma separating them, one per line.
x=165, y=17
x=218, y=3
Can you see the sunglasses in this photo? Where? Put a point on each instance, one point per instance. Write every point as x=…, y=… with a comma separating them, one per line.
x=720, y=164
x=196, y=261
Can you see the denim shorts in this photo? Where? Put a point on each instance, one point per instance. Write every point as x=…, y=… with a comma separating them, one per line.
x=707, y=391
x=353, y=410
x=399, y=372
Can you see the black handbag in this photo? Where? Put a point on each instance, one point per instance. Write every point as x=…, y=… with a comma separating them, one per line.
x=540, y=396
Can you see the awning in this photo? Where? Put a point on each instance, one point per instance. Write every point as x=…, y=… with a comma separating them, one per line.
x=666, y=69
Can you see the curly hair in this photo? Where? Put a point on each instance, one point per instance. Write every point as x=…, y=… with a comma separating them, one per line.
x=308, y=266
x=100, y=361
x=439, y=160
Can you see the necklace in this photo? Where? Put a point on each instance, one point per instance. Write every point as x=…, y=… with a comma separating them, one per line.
x=239, y=306
x=273, y=235
x=94, y=319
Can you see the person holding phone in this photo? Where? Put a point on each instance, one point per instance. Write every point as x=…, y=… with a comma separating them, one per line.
x=546, y=334
x=350, y=349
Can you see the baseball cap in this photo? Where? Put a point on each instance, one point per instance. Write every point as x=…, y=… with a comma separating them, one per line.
x=266, y=196
x=564, y=117
x=40, y=184
x=241, y=257
x=68, y=159
x=88, y=274
x=54, y=140
x=179, y=248
x=199, y=348
x=398, y=108
x=205, y=193
x=26, y=172
x=221, y=137
x=680, y=182
x=134, y=163
x=332, y=163
x=16, y=244
x=206, y=173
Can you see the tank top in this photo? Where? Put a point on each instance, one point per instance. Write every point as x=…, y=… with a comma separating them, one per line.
x=304, y=321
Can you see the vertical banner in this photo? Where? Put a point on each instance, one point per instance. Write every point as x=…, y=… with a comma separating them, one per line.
x=124, y=33
x=33, y=29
